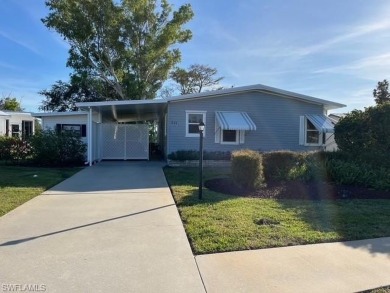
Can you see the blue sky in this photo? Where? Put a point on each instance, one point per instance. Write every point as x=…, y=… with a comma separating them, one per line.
x=336, y=50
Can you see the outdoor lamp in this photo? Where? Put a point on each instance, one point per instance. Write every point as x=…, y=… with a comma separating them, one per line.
x=201, y=127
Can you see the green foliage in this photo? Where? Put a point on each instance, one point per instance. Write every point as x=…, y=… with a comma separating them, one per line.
x=10, y=104
x=52, y=149
x=127, y=44
x=354, y=173
x=365, y=133
x=288, y=165
x=196, y=78
x=247, y=169
x=63, y=96
x=381, y=93
x=13, y=149
x=184, y=155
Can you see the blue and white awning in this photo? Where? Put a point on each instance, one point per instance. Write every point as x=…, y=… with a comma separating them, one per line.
x=321, y=122
x=234, y=120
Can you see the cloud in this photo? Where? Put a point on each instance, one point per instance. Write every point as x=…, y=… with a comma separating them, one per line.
x=20, y=43
x=375, y=67
x=353, y=33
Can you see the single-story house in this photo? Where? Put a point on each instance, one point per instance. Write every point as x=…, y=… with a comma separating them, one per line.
x=16, y=124
x=257, y=117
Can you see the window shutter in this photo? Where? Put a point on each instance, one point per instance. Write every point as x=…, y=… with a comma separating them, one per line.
x=301, y=130
x=83, y=130
x=241, y=134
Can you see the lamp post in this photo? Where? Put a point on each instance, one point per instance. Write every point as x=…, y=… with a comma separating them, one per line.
x=201, y=129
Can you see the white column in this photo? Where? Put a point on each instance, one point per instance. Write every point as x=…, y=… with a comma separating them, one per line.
x=89, y=135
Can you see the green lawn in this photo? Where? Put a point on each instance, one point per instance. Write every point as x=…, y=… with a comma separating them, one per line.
x=226, y=223
x=20, y=184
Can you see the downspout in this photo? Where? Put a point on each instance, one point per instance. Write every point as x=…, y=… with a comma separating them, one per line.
x=89, y=135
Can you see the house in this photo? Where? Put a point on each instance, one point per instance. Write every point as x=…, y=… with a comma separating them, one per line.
x=16, y=124
x=255, y=117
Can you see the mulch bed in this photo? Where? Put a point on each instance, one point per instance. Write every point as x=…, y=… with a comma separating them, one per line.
x=298, y=190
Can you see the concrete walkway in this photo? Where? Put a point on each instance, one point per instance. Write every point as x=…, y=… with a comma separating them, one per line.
x=112, y=227
x=331, y=267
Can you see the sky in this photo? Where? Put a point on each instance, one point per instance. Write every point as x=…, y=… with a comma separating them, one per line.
x=336, y=50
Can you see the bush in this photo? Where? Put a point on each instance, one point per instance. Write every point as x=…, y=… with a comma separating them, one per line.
x=14, y=149
x=365, y=132
x=354, y=173
x=247, y=169
x=52, y=149
x=184, y=155
x=288, y=165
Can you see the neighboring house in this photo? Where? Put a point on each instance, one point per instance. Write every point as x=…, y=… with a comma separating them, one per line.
x=256, y=117
x=16, y=124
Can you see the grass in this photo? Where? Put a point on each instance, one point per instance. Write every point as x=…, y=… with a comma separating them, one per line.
x=221, y=222
x=19, y=184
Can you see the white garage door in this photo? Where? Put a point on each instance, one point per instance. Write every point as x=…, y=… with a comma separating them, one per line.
x=125, y=141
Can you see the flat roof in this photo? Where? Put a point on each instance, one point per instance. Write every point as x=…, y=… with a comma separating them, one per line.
x=259, y=88
x=48, y=114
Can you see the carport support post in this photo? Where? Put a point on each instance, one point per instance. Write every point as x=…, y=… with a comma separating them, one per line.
x=89, y=135
x=201, y=129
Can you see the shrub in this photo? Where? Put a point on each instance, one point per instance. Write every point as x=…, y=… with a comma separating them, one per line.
x=184, y=155
x=279, y=164
x=354, y=173
x=14, y=149
x=288, y=165
x=52, y=149
x=365, y=132
x=247, y=169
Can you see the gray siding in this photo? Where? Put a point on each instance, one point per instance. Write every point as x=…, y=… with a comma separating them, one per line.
x=276, y=118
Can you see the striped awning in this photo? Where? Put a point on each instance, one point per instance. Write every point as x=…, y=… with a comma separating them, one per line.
x=234, y=121
x=321, y=122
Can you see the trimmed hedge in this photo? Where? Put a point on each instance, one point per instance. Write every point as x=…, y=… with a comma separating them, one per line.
x=338, y=167
x=187, y=155
x=247, y=169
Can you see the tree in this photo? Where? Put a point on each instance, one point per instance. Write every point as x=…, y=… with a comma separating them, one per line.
x=365, y=134
x=63, y=96
x=126, y=44
x=196, y=78
x=10, y=104
x=381, y=93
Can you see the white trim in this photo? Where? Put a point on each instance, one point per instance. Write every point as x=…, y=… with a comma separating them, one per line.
x=49, y=114
x=89, y=137
x=117, y=103
x=204, y=121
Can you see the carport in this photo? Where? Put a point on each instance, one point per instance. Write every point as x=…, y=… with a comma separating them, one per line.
x=119, y=130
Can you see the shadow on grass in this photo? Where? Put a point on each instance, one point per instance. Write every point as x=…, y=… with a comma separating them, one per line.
x=327, y=220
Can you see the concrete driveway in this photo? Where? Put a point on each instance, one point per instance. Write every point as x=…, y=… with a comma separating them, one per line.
x=112, y=227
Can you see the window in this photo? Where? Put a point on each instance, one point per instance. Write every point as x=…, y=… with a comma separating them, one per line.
x=193, y=118
x=312, y=134
x=230, y=137
x=80, y=129
x=27, y=129
x=15, y=130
